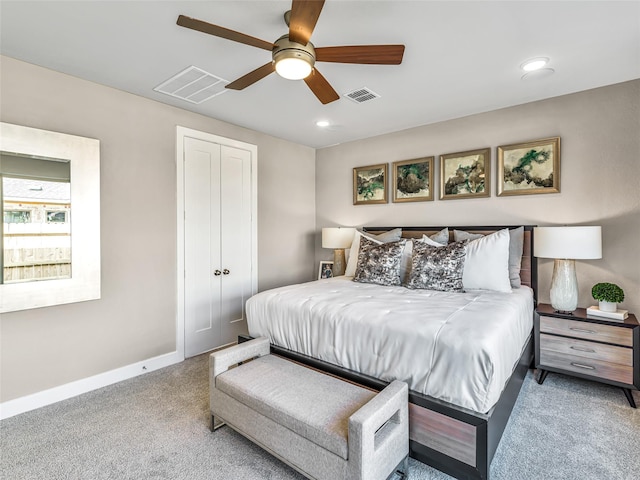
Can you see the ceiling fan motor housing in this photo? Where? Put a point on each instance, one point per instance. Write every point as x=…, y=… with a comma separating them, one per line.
x=285, y=48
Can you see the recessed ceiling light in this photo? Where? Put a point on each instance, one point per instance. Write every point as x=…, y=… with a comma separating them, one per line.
x=537, y=74
x=534, y=64
x=322, y=123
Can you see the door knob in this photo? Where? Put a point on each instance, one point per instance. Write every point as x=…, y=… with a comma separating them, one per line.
x=217, y=273
x=226, y=271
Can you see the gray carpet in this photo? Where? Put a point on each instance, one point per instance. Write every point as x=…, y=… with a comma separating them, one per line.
x=156, y=427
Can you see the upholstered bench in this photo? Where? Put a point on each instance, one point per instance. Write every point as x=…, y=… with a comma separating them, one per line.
x=322, y=426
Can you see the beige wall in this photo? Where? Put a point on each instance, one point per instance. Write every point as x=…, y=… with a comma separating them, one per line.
x=600, y=152
x=135, y=319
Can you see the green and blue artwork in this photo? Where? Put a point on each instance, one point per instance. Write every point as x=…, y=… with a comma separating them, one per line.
x=413, y=180
x=370, y=184
x=465, y=174
x=531, y=167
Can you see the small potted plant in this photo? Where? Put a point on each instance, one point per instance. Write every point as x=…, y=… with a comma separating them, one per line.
x=608, y=296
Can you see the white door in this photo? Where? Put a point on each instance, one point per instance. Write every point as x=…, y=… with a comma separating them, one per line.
x=217, y=243
x=235, y=241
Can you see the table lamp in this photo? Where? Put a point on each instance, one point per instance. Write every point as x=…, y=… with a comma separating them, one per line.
x=338, y=238
x=565, y=245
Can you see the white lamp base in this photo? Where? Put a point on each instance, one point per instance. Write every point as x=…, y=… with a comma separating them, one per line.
x=339, y=262
x=564, y=286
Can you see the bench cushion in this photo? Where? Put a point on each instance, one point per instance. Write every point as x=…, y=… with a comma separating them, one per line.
x=313, y=405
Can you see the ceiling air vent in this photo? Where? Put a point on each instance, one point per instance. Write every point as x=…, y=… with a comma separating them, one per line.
x=193, y=85
x=361, y=95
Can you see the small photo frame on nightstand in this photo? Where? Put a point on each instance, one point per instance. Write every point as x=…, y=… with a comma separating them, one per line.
x=325, y=270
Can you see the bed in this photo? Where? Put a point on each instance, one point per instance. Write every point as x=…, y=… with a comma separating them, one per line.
x=461, y=392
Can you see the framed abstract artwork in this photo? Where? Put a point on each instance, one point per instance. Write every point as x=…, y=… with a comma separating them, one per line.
x=529, y=167
x=413, y=180
x=370, y=184
x=465, y=174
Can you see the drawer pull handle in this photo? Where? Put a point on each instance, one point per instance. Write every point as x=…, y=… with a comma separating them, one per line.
x=581, y=330
x=580, y=365
x=582, y=349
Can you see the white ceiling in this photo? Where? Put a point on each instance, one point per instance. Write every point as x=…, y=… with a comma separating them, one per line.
x=461, y=58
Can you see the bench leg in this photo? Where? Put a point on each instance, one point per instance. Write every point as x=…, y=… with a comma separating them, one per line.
x=216, y=423
x=401, y=472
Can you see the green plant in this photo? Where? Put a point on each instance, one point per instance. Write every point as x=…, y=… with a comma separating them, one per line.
x=607, y=292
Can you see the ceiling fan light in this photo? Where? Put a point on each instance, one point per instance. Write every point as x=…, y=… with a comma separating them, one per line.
x=293, y=68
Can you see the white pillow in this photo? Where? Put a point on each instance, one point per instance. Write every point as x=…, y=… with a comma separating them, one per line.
x=431, y=242
x=442, y=237
x=405, y=262
x=386, y=237
x=516, y=245
x=486, y=264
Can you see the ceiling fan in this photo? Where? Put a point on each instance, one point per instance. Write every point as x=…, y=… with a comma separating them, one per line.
x=294, y=56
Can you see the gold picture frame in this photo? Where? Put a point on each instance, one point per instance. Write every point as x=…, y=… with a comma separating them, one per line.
x=529, y=168
x=413, y=180
x=370, y=184
x=465, y=174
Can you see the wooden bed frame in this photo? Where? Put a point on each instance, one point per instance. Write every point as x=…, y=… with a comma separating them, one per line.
x=455, y=440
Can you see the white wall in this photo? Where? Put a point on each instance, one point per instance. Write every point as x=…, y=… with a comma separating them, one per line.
x=135, y=319
x=600, y=168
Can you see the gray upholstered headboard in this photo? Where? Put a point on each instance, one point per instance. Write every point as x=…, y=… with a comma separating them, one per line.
x=529, y=266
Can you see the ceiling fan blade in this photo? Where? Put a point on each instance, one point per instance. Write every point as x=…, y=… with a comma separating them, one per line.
x=363, y=54
x=321, y=88
x=222, y=32
x=252, y=77
x=304, y=16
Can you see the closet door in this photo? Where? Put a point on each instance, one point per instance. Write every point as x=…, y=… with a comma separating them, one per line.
x=202, y=214
x=235, y=234
x=218, y=243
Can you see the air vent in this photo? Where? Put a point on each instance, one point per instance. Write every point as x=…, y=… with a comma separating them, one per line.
x=361, y=95
x=193, y=85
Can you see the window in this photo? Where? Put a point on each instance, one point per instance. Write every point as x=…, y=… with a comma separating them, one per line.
x=56, y=216
x=36, y=239
x=17, y=216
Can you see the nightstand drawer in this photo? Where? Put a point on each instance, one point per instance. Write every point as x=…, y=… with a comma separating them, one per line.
x=587, y=330
x=586, y=366
x=587, y=350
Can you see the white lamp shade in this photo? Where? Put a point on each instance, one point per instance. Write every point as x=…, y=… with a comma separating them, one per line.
x=337, y=237
x=568, y=242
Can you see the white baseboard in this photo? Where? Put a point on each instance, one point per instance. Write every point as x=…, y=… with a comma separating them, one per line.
x=56, y=394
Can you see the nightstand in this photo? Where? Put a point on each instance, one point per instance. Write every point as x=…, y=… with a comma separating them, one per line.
x=599, y=349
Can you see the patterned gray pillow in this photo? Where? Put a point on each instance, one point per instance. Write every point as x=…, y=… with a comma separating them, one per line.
x=438, y=268
x=379, y=264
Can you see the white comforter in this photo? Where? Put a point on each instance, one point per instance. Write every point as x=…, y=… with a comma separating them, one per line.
x=458, y=347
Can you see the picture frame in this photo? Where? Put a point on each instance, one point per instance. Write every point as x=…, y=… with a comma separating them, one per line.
x=465, y=174
x=325, y=270
x=413, y=180
x=529, y=168
x=370, y=184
